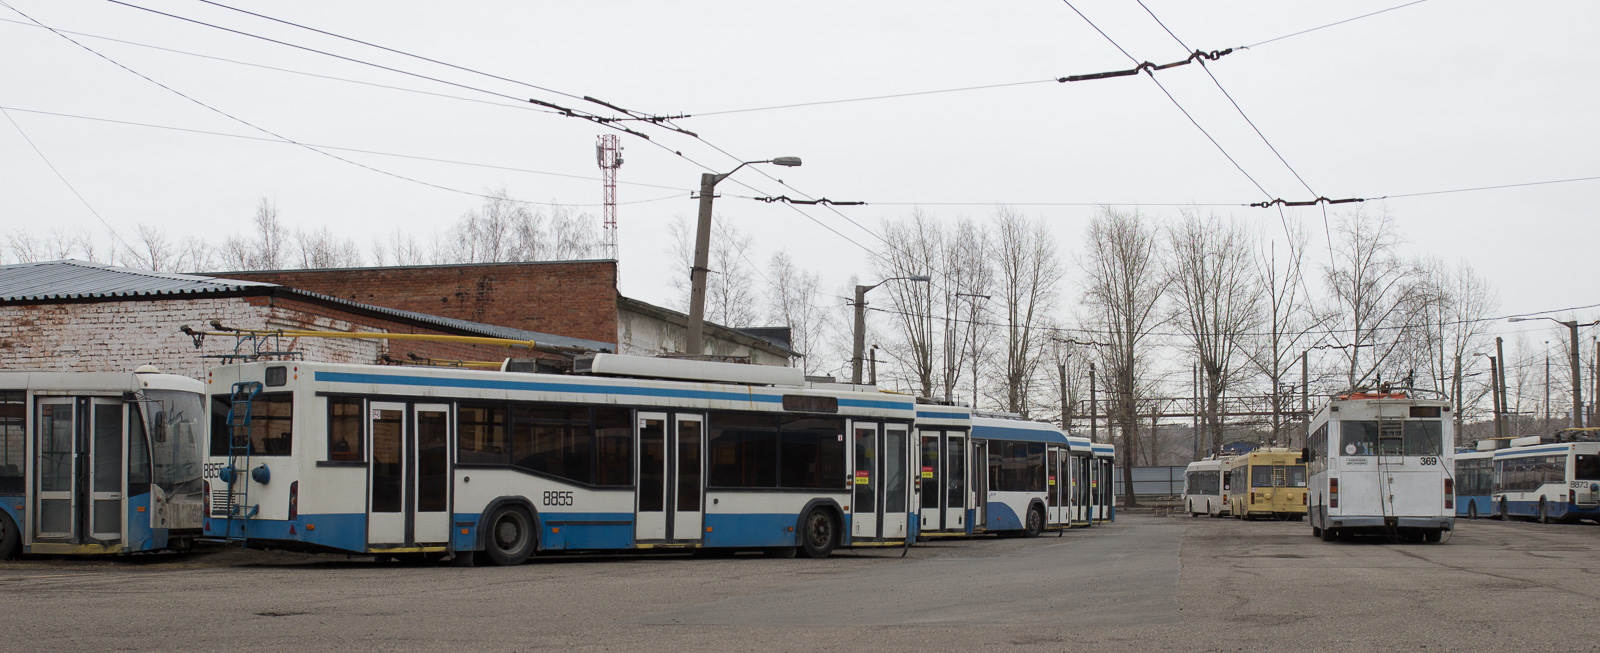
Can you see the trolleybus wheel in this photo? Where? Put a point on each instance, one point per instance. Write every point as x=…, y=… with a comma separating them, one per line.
x=1316, y=532
x=778, y=552
x=1503, y=513
x=818, y=533
x=510, y=540
x=1035, y=524
x=9, y=537
x=1433, y=536
x=1329, y=535
x=1544, y=512
x=1472, y=510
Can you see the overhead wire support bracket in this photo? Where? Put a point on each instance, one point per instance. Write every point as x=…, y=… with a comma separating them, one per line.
x=1197, y=55
x=1320, y=200
x=820, y=200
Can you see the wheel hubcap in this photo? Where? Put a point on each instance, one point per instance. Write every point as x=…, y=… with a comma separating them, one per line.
x=507, y=533
x=819, y=531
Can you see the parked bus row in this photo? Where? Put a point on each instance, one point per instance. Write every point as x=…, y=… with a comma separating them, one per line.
x=626, y=453
x=1555, y=478
x=1266, y=483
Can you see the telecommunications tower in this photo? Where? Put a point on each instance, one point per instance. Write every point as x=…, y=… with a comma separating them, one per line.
x=609, y=154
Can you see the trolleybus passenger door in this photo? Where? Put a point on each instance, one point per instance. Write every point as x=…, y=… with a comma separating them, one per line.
x=55, y=468
x=980, y=484
x=688, y=456
x=105, y=470
x=932, y=488
x=650, y=503
x=864, y=503
x=386, y=474
x=896, y=482
x=431, y=448
x=955, y=481
x=79, y=472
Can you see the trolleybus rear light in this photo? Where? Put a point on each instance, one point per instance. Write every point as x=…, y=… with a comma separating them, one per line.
x=1333, y=493
x=1449, y=494
x=205, y=494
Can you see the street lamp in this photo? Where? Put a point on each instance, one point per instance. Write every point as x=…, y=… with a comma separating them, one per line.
x=1577, y=383
x=702, y=244
x=861, y=321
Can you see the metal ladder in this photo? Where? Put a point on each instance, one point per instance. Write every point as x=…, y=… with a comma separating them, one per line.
x=242, y=397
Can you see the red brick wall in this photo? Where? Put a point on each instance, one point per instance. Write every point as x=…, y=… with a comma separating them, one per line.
x=576, y=299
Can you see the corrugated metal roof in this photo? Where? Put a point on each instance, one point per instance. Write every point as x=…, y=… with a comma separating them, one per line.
x=79, y=279
x=66, y=280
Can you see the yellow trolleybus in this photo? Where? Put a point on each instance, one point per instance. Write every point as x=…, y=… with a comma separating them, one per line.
x=1267, y=482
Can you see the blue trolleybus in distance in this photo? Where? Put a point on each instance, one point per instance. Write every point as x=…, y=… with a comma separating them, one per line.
x=1474, y=483
x=1549, y=479
x=99, y=463
x=628, y=453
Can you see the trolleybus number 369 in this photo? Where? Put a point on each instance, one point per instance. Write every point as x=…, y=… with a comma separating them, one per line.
x=1430, y=460
x=558, y=498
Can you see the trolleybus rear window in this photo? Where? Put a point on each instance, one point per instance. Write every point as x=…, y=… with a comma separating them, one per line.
x=1586, y=467
x=270, y=432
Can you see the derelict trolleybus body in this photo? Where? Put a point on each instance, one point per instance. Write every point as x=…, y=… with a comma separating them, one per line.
x=633, y=453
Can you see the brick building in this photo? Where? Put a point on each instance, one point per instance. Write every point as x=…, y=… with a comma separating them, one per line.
x=572, y=298
x=86, y=317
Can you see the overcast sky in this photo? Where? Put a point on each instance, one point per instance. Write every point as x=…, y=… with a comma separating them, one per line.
x=1446, y=94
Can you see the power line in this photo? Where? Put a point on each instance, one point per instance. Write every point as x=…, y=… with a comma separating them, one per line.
x=1478, y=188
x=63, y=179
x=1308, y=31
x=702, y=114
x=352, y=149
x=604, y=121
x=521, y=105
x=250, y=124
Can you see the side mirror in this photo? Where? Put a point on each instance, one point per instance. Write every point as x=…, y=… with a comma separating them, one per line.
x=160, y=436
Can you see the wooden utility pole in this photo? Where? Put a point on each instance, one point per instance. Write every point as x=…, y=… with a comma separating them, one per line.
x=1094, y=410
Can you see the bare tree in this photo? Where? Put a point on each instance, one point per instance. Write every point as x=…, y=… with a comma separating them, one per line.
x=917, y=242
x=1454, y=324
x=792, y=296
x=1124, y=287
x=399, y=249
x=1375, y=291
x=500, y=229
x=1287, y=318
x=25, y=247
x=969, y=278
x=153, y=251
x=1028, y=267
x=1218, y=302
x=575, y=237
x=731, y=298
x=266, y=248
x=321, y=249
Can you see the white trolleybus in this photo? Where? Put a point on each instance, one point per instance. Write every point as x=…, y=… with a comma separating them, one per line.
x=99, y=463
x=1549, y=478
x=1203, y=488
x=1381, y=463
x=630, y=453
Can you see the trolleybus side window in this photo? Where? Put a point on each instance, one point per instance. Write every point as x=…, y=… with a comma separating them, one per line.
x=1358, y=438
x=345, y=441
x=615, y=436
x=554, y=440
x=1586, y=467
x=481, y=434
x=744, y=451
x=1424, y=437
x=138, y=454
x=271, y=424
x=811, y=452
x=13, y=413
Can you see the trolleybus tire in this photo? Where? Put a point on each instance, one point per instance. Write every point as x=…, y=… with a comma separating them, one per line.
x=10, y=539
x=1316, y=532
x=1503, y=514
x=1433, y=536
x=1035, y=524
x=1544, y=512
x=510, y=536
x=1329, y=534
x=819, y=533
x=1472, y=510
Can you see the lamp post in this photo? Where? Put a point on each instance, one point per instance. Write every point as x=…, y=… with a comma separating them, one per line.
x=861, y=322
x=1577, y=380
x=693, y=342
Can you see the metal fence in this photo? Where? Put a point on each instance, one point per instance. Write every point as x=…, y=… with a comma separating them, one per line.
x=1166, y=481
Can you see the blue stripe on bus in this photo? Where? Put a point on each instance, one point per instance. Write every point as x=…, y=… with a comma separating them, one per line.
x=928, y=414
x=579, y=388
x=1025, y=435
x=1548, y=448
x=1002, y=517
x=342, y=531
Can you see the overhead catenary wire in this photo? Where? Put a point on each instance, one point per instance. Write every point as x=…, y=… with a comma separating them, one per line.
x=1320, y=27
x=63, y=179
x=253, y=125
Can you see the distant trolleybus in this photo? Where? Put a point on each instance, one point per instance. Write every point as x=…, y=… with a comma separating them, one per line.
x=1267, y=483
x=1381, y=463
x=1202, y=488
x=1549, y=481
x=1474, y=483
x=99, y=463
x=631, y=453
